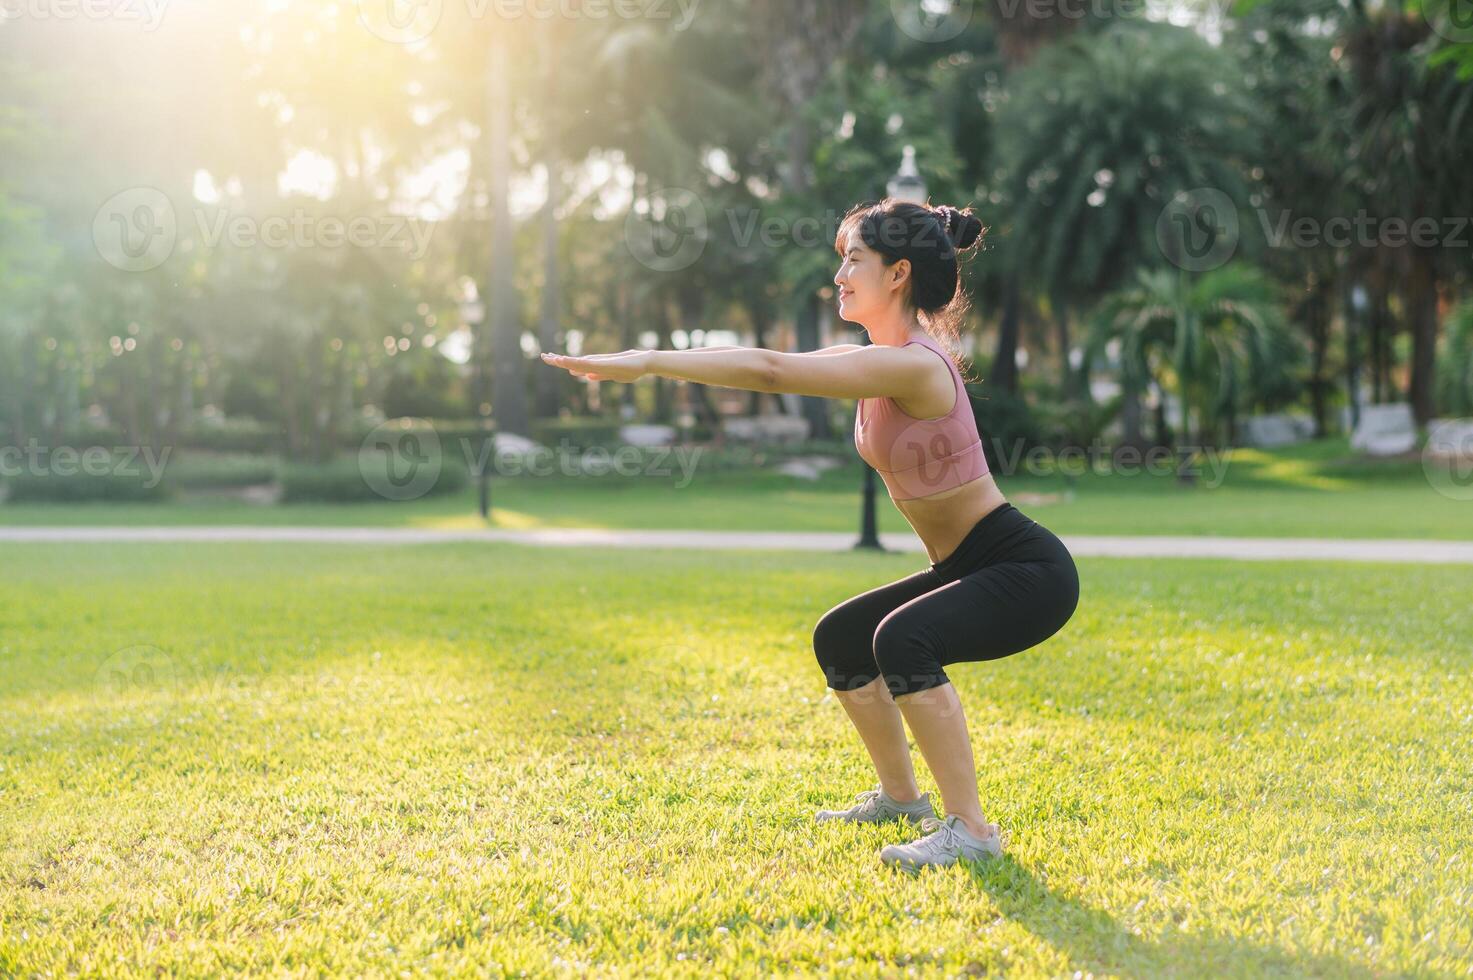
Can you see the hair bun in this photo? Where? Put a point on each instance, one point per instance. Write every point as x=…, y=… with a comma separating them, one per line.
x=962, y=227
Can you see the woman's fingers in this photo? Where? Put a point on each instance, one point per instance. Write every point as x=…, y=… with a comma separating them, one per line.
x=579, y=367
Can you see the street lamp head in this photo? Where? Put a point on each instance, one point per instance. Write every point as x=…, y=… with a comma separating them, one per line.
x=907, y=184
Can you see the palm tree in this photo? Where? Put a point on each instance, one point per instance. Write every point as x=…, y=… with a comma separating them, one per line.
x=1022, y=30
x=1219, y=339
x=1099, y=133
x=798, y=43
x=1407, y=156
x=1291, y=72
x=664, y=100
x=1455, y=363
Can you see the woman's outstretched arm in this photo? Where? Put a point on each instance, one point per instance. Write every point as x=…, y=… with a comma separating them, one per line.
x=863, y=372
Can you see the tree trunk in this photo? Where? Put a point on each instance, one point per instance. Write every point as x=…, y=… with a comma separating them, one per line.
x=702, y=406
x=1061, y=337
x=1380, y=345
x=1421, y=303
x=1003, y=375
x=1353, y=328
x=664, y=387
x=549, y=384
x=1131, y=417
x=508, y=390
x=316, y=390
x=19, y=392
x=761, y=316
x=815, y=410
x=1164, y=434
x=1316, y=310
x=630, y=335
x=286, y=358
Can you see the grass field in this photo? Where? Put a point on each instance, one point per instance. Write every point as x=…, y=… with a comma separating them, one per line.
x=1310, y=490
x=496, y=759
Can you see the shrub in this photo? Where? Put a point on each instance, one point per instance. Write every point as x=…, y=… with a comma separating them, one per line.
x=205, y=470
x=1007, y=426
x=1075, y=423
x=344, y=480
x=238, y=435
x=580, y=433
x=115, y=478
x=449, y=432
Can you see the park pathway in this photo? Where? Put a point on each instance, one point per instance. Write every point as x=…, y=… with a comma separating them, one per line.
x=1081, y=545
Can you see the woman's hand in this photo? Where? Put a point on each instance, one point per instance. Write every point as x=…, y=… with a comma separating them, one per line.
x=626, y=366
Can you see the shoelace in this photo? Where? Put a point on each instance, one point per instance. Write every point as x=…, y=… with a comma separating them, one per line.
x=868, y=800
x=941, y=833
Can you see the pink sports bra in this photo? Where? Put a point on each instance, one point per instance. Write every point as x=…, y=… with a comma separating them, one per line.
x=919, y=457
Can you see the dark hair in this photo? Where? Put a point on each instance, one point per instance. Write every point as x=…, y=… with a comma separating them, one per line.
x=932, y=239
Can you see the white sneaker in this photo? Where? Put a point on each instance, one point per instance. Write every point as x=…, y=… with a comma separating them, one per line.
x=876, y=807
x=949, y=841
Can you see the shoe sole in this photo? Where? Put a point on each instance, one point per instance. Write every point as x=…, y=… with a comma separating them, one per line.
x=914, y=820
x=914, y=867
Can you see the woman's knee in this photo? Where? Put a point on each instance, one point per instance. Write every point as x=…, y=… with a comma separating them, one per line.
x=842, y=648
x=906, y=655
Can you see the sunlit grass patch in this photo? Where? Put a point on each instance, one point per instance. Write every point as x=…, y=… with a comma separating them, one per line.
x=503, y=759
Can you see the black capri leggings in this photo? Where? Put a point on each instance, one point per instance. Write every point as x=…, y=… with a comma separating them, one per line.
x=1010, y=585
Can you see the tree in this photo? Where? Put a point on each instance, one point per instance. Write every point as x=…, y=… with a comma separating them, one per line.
x=798, y=42
x=1219, y=339
x=1409, y=164
x=1098, y=134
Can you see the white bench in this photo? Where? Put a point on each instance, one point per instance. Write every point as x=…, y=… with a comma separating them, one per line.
x=647, y=435
x=766, y=428
x=1385, y=430
x=1266, y=431
x=808, y=467
x=1450, y=439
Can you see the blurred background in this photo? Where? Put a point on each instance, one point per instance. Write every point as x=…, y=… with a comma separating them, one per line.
x=245, y=240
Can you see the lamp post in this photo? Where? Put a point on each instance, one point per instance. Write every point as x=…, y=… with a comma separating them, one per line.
x=472, y=314
x=906, y=185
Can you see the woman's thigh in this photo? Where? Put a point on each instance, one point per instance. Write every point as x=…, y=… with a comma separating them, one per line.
x=986, y=614
x=844, y=638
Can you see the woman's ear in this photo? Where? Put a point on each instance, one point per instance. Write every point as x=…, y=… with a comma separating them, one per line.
x=899, y=272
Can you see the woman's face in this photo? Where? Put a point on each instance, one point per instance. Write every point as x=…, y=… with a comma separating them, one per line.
x=866, y=285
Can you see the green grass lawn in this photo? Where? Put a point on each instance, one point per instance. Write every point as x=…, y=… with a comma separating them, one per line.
x=1311, y=490
x=495, y=759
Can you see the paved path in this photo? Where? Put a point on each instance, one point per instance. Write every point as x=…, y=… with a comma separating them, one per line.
x=1082, y=545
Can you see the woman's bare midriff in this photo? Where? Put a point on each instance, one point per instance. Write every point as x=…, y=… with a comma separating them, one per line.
x=942, y=520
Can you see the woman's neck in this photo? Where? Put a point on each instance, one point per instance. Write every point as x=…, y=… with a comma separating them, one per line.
x=895, y=328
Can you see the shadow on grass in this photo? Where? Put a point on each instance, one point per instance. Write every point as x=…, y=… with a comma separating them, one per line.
x=1095, y=942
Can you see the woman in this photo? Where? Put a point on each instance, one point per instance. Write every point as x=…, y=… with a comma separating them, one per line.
x=998, y=581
